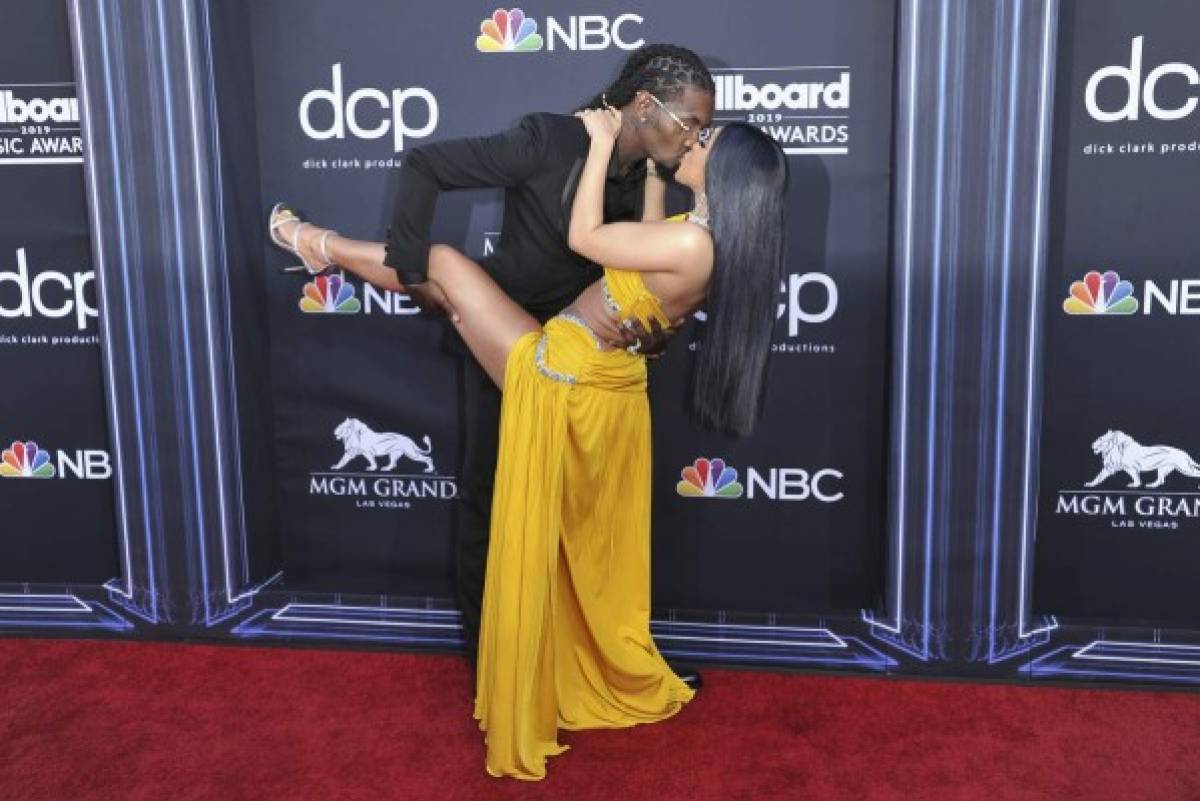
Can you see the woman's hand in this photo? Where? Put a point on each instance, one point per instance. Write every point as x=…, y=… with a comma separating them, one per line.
x=601, y=124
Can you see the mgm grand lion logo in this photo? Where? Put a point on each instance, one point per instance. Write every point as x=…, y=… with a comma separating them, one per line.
x=1121, y=453
x=359, y=440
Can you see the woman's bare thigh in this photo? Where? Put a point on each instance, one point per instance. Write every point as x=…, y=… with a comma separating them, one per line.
x=489, y=321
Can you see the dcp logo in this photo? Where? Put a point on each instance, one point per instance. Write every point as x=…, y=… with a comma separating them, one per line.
x=818, y=304
x=1139, y=93
x=380, y=112
x=49, y=294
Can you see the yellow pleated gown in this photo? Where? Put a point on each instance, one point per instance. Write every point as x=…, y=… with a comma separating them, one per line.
x=565, y=631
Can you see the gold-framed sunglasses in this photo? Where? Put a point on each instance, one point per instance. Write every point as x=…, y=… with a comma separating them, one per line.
x=702, y=134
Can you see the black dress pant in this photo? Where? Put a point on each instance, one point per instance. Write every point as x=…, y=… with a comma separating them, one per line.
x=481, y=439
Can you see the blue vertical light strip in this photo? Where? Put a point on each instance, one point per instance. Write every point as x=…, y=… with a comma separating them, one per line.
x=206, y=266
x=990, y=373
x=1037, y=260
x=902, y=502
x=201, y=236
x=209, y=263
x=176, y=213
x=1025, y=639
x=151, y=614
x=96, y=221
x=218, y=195
x=122, y=142
x=1002, y=361
x=935, y=333
x=905, y=329
x=953, y=151
x=160, y=24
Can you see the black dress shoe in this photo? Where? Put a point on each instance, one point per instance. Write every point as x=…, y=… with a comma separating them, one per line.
x=690, y=677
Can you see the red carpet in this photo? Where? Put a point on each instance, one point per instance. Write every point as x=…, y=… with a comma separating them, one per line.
x=121, y=721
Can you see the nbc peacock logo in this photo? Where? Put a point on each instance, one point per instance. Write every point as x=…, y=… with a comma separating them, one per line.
x=25, y=460
x=709, y=478
x=329, y=294
x=1101, y=294
x=508, y=32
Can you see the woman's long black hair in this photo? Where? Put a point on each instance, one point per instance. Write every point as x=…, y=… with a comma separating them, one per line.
x=746, y=184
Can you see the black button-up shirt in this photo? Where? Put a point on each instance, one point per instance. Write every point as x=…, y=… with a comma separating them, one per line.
x=538, y=163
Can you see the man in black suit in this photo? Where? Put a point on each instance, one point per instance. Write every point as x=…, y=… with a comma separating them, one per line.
x=667, y=95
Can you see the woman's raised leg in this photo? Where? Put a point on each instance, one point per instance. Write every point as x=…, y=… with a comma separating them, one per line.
x=489, y=321
x=319, y=246
x=364, y=259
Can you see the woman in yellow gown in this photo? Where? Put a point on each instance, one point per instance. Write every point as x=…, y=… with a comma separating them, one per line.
x=565, y=633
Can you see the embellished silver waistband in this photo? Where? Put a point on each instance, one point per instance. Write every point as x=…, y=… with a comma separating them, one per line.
x=539, y=356
x=609, y=300
x=582, y=323
x=539, y=359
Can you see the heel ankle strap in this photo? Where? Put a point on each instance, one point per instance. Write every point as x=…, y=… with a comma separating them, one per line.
x=296, y=237
x=323, y=247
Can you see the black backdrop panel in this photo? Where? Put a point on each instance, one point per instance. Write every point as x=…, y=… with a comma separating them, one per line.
x=56, y=508
x=1119, y=505
x=340, y=99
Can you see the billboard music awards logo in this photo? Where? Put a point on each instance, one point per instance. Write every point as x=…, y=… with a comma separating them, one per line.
x=375, y=452
x=366, y=113
x=714, y=478
x=511, y=31
x=1118, y=93
x=68, y=299
x=805, y=109
x=39, y=124
x=1136, y=505
x=1107, y=294
x=27, y=460
x=333, y=294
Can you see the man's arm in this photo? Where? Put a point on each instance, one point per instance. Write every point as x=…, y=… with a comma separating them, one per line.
x=500, y=160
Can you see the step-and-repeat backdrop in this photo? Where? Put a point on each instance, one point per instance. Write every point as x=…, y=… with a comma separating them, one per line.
x=56, y=508
x=797, y=524
x=1119, y=505
x=793, y=519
